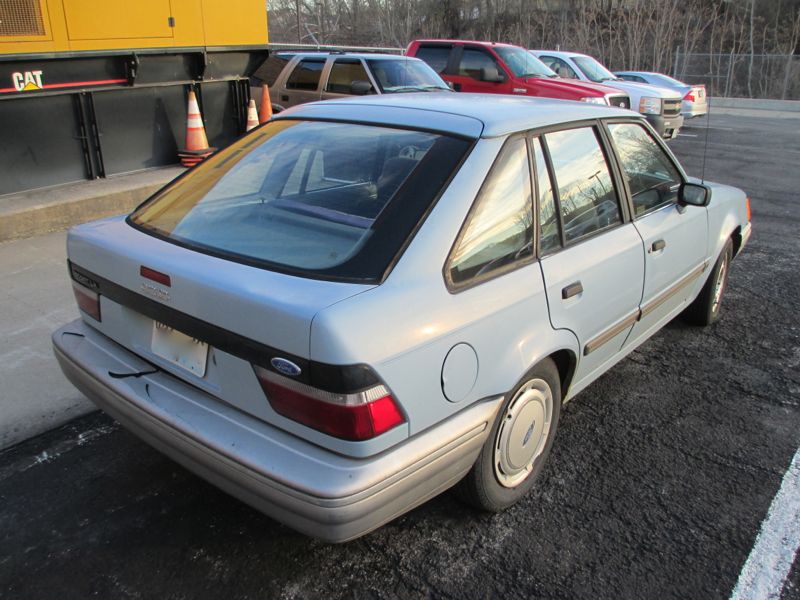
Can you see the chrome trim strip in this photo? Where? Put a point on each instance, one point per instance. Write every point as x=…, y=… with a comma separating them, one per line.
x=611, y=332
x=669, y=293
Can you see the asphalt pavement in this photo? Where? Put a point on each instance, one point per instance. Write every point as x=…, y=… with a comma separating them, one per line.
x=661, y=474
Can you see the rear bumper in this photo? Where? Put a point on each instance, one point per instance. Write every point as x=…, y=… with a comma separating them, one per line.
x=320, y=493
x=690, y=110
x=666, y=127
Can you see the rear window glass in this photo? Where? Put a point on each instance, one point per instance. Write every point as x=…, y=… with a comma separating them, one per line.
x=435, y=56
x=268, y=72
x=333, y=199
x=305, y=75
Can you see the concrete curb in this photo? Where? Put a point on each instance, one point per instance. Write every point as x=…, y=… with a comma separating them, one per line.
x=35, y=212
x=755, y=104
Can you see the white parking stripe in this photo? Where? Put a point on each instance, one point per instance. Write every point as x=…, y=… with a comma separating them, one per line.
x=766, y=569
x=686, y=135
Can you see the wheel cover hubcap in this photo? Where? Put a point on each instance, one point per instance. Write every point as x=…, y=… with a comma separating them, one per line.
x=523, y=432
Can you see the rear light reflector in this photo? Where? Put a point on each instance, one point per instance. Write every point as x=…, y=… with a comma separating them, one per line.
x=689, y=96
x=355, y=416
x=156, y=276
x=88, y=301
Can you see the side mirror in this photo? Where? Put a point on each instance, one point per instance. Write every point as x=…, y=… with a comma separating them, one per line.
x=694, y=194
x=360, y=88
x=492, y=75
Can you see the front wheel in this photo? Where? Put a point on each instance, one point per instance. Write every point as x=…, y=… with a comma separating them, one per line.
x=518, y=445
x=704, y=310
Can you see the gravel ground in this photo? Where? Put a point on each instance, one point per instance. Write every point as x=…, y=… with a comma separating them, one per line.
x=660, y=477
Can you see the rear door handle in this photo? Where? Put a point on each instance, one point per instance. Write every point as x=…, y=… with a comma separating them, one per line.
x=573, y=289
x=284, y=98
x=658, y=245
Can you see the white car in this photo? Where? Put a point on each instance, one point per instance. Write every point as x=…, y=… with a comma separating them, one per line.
x=365, y=302
x=695, y=101
x=660, y=106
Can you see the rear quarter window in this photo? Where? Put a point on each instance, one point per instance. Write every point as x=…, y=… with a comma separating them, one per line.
x=269, y=71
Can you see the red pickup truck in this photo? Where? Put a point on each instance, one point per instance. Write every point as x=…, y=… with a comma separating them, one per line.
x=494, y=68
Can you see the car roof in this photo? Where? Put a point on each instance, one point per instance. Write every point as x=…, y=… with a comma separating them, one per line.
x=463, y=42
x=638, y=72
x=559, y=53
x=367, y=55
x=468, y=115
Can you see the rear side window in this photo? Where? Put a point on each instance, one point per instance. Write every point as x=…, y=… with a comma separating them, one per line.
x=499, y=230
x=587, y=197
x=435, y=56
x=343, y=74
x=305, y=75
x=473, y=60
x=652, y=178
x=334, y=200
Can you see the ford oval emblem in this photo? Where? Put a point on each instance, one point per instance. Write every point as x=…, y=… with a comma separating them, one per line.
x=286, y=367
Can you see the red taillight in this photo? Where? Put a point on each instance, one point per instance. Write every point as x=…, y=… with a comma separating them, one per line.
x=88, y=301
x=747, y=204
x=689, y=96
x=356, y=416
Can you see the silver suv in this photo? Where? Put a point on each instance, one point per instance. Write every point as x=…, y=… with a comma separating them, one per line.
x=296, y=78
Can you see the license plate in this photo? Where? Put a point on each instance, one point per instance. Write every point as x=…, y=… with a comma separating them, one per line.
x=179, y=349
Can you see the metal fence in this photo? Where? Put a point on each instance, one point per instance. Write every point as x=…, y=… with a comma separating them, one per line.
x=775, y=76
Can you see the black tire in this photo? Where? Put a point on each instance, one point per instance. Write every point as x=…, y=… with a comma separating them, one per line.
x=705, y=309
x=482, y=486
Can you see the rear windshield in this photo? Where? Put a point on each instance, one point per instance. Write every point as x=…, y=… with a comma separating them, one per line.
x=332, y=200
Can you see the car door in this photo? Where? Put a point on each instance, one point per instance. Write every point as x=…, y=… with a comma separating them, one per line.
x=476, y=62
x=674, y=236
x=302, y=84
x=343, y=72
x=591, y=254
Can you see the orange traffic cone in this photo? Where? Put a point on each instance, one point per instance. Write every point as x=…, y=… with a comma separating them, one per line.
x=197, y=147
x=265, y=111
x=252, y=115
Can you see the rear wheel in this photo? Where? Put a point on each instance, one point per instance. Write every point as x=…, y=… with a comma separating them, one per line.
x=706, y=307
x=519, y=443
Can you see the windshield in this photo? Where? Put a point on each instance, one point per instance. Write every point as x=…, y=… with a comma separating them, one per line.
x=593, y=70
x=404, y=75
x=307, y=197
x=522, y=63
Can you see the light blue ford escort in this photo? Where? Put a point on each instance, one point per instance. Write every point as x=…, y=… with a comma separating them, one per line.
x=365, y=302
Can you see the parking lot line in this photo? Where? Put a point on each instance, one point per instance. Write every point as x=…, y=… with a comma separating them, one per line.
x=766, y=569
x=687, y=135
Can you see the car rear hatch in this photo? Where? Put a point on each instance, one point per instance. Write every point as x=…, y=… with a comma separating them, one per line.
x=217, y=278
x=203, y=319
